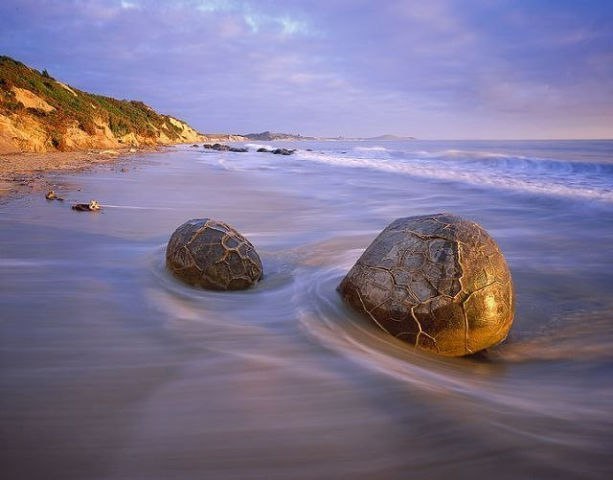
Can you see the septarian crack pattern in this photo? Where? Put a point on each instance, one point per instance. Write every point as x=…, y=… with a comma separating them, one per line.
x=213, y=255
x=438, y=282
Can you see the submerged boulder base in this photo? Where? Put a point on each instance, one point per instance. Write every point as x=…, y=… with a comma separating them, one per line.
x=438, y=282
x=213, y=255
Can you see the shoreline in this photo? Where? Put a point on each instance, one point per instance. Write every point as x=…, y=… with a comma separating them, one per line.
x=24, y=172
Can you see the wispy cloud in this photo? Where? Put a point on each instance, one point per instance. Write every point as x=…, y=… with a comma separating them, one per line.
x=258, y=16
x=435, y=68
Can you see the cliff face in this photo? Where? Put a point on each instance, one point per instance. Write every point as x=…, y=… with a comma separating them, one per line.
x=224, y=137
x=40, y=114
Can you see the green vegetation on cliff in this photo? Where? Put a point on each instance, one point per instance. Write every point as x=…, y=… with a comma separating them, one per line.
x=56, y=108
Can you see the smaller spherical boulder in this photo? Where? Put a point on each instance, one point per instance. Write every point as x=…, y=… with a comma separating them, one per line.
x=438, y=282
x=212, y=255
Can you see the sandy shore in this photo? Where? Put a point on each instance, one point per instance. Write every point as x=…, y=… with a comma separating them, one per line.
x=22, y=173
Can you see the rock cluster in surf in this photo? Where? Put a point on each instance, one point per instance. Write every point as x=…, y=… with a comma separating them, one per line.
x=212, y=255
x=438, y=282
x=277, y=151
x=220, y=147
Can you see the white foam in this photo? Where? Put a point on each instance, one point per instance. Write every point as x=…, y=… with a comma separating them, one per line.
x=371, y=149
x=256, y=146
x=510, y=173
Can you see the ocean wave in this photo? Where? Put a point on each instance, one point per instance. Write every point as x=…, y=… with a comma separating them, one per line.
x=514, y=162
x=255, y=146
x=527, y=174
x=454, y=153
x=371, y=149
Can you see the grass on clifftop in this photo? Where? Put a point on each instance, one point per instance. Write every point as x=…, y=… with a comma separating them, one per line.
x=122, y=116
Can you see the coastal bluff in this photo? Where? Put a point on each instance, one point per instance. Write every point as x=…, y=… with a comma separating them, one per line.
x=41, y=114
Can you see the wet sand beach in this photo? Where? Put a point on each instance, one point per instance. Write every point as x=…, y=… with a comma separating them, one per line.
x=21, y=173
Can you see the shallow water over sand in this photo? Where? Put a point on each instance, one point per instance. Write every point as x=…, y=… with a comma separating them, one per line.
x=111, y=369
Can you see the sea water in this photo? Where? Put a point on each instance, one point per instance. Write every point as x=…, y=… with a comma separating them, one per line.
x=110, y=368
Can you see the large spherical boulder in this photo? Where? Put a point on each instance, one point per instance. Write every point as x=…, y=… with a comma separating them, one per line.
x=438, y=282
x=212, y=255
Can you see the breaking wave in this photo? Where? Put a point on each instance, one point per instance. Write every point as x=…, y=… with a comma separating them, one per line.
x=575, y=179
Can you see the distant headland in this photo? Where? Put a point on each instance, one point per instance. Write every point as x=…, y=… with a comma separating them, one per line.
x=271, y=136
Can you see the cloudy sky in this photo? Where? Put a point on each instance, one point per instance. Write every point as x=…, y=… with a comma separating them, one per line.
x=431, y=69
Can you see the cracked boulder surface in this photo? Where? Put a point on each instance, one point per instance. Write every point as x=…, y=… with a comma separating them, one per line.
x=212, y=255
x=438, y=282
